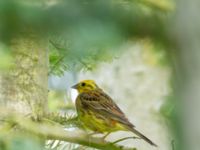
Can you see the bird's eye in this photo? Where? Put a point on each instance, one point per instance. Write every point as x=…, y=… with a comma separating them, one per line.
x=83, y=84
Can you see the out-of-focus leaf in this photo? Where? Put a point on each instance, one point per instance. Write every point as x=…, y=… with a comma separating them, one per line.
x=154, y=52
x=168, y=107
x=5, y=57
x=19, y=142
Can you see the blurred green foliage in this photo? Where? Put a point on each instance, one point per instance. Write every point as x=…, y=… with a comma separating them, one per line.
x=20, y=141
x=82, y=51
x=80, y=34
x=5, y=57
x=83, y=33
x=57, y=101
x=167, y=108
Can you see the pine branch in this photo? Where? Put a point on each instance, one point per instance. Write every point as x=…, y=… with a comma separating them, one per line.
x=57, y=132
x=64, y=119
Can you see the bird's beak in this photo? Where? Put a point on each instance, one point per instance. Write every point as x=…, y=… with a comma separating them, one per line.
x=75, y=86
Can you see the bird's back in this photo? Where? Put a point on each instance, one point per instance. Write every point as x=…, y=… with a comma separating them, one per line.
x=97, y=103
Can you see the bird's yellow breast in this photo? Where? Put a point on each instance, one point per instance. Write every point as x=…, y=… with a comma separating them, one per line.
x=96, y=123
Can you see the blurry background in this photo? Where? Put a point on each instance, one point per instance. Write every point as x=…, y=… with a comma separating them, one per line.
x=138, y=81
x=144, y=54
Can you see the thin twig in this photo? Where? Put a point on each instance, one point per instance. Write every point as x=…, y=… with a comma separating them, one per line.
x=59, y=60
x=126, y=138
x=56, y=45
x=56, y=64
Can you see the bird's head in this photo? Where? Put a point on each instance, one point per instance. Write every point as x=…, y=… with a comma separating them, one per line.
x=85, y=86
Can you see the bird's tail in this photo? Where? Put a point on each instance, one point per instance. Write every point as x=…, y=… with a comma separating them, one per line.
x=143, y=137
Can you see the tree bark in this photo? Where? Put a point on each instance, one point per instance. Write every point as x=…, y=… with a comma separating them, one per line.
x=24, y=87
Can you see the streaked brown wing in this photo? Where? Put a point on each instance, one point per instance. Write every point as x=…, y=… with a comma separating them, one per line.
x=101, y=103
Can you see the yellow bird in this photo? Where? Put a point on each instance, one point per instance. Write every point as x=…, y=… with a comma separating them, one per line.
x=99, y=113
